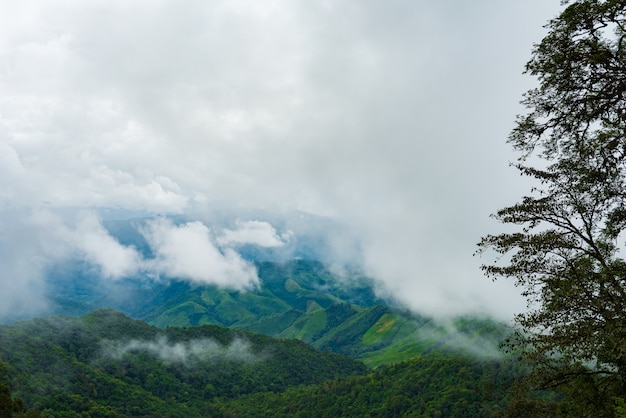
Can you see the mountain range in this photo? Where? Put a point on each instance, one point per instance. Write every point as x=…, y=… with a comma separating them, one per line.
x=145, y=346
x=301, y=299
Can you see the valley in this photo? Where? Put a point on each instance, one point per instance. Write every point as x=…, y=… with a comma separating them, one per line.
x=306, y=340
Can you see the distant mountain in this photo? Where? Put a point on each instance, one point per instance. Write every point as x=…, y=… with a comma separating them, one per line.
x=176, y=358
x=106, y=364
x=297, y=285
x=380, y=334
x=303, y=298
x=300, y=286
x=299, y=299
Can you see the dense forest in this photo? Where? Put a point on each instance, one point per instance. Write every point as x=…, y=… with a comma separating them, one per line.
x=428, y=386
x=105, y=364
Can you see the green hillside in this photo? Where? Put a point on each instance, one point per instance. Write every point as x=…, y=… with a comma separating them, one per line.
x=304, y=300
x=106, y=364
x=300, y=299
x=299, y=285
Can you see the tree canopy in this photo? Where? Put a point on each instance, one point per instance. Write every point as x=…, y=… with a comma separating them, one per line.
x=565, y=253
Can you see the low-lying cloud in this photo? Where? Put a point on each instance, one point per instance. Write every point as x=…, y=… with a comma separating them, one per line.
x=186, y=353
x=86, y=238
x=189, y=252
x=477, y=345
x=33, y=242
x=258, y=233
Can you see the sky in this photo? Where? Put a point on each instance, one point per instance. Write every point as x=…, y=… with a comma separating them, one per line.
x=390, y=117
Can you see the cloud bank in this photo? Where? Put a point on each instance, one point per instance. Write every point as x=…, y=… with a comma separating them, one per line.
x=389, y=116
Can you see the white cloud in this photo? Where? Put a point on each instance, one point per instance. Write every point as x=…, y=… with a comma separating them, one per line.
x=258, y=233
x=86, y=239
x=391, y=116
x=188, y=252
x=102, y=249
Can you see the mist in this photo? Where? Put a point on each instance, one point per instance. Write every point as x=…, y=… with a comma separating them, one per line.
x=483, y=342
x=187, y=353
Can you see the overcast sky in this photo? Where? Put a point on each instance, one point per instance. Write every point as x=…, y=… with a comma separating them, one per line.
x=390, y=116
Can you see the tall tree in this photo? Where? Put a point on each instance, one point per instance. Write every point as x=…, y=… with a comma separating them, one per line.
x=565, y=255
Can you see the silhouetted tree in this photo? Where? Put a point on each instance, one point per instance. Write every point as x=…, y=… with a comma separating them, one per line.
x=565, y=254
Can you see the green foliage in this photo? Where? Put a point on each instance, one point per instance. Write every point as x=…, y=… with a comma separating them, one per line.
x=274, y=325
x=106, y=364
x=383, y=330
x=620, y=408
x=427, y=386
x=307, y=327
x=565, y=255
x=11, y=406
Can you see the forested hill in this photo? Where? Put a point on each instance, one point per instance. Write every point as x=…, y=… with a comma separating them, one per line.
x=106, y=364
